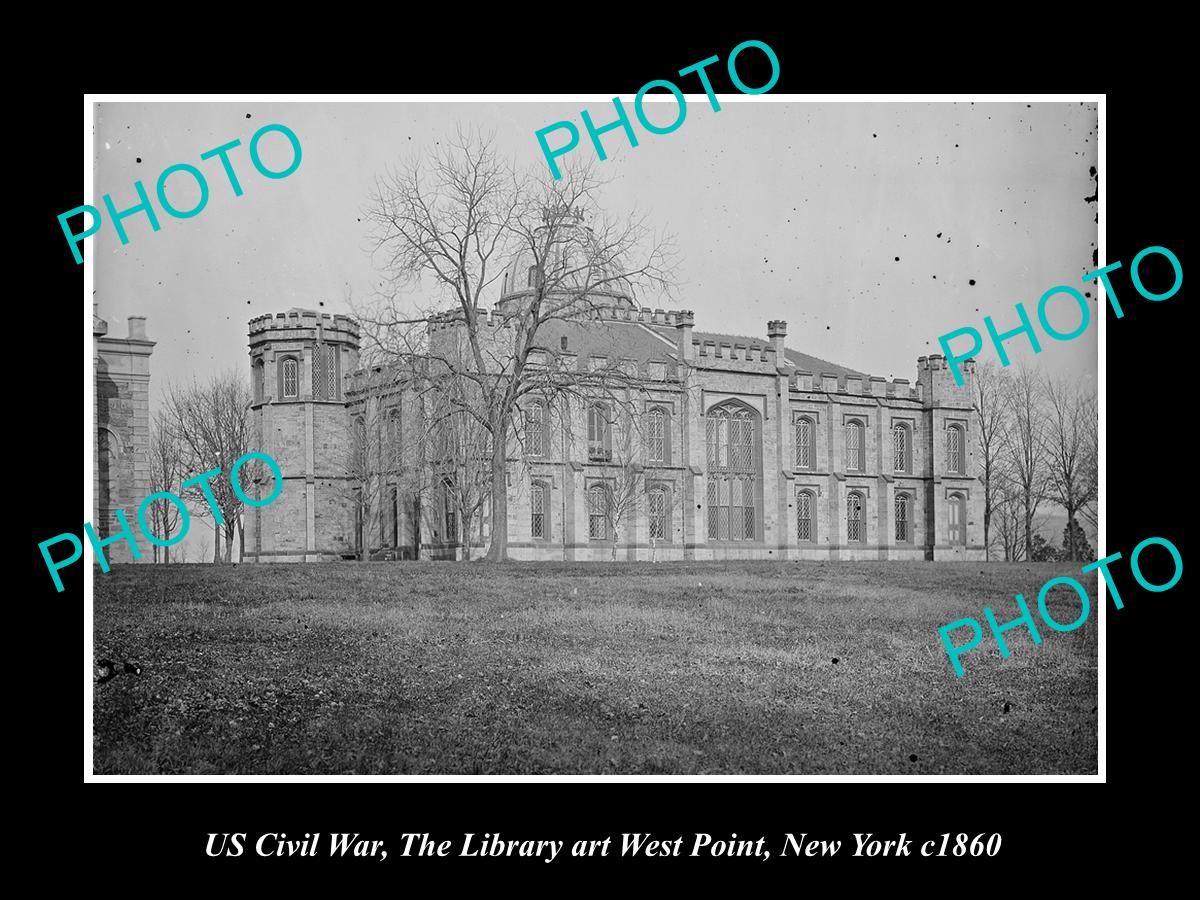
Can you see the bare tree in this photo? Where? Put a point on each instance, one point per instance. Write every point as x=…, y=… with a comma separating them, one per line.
x=1025, y=449
x=166, y=473
x=989, y=389
x=1072, y=418
x=452, y=222
x=460, y=455
x=211, y=423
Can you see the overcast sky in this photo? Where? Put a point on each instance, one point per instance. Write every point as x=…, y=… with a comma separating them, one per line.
x=781, y=210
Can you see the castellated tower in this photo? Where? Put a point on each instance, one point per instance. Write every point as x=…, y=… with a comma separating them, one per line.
x=299, y=417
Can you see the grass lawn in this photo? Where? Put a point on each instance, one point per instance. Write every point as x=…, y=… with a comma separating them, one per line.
x=586, y=668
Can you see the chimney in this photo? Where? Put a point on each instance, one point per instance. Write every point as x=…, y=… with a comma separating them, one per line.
x=684, y=320
x=777, y=331
x=137, y=328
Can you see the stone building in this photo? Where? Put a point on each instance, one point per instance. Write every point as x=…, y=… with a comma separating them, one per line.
x=727, y=446
x=121, y=466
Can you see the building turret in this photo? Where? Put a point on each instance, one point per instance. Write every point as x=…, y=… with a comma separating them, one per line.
x=298, y=363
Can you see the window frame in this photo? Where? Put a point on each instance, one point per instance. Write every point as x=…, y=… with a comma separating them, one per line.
x=733, y=432
x=906, y=461
x=810, y=498
x=905, y=499
x=599, y=419
x=808, y=447
x=861, y=519
x=283, y=364
x=956, y=536
x=601, y=490
x=859, y=427
x=664, y=492
x=537, y=428
x=661, y=414
x=539, y=494
x=956, y=462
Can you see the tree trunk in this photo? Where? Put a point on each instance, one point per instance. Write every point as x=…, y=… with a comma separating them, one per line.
x=216, y=543
x=241, y=540
x=987, y=525
x=167, y=555
x=498, y=551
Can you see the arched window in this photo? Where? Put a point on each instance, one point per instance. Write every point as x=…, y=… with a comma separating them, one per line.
x=955, y=450
x=289, y=377
x=539, y=503
x=856, y=527
x=806, y=522
x=358, y=459
x=395, y=440
x=854, y=446
x=597, y=501
x=806, y=447
x=257, y=378
x=394, y=515
x=660, y=522
x=903, y=519
x=535, y=430
x=322, y=372
x=902, y=447
x=957, y=510
x=656, y=435
x=733, y=481
x=599, y=433
x=451, y=509
x=532, y=276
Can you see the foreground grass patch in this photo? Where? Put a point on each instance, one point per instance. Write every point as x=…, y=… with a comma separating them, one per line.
x=565, y=668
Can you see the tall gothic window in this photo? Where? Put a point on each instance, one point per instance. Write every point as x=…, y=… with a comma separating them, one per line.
x=955, y=450
x=903, y=518
x=659, y=524
x=599, y=433
x=957, y=509
x=257, y=378
x=732, y=473
x=535, y=430
x=538, y=504
x=806, y=523
x=395, y=436
x=290, y=366
x=854, y=446
x=451, y=510
x=902, y=447
x=856, y=528
x=597, y=501
x=324, y=372
x=806, y=451
x=656, y=435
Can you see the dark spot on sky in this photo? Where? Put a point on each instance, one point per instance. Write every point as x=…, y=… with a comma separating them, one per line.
x=247, y=302
x=247, y=115
x=912, y=757
x=1092, y=171
x=835, y=660
x=321, y=303
x=935, y=276
x=874, y=135
x=897, y=259
x=939, y=234
x=956, y=145
x=139, y=159
x=1087, y=293
x=971, y=282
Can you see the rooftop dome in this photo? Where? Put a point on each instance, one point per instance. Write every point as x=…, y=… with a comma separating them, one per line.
x=567, y=251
